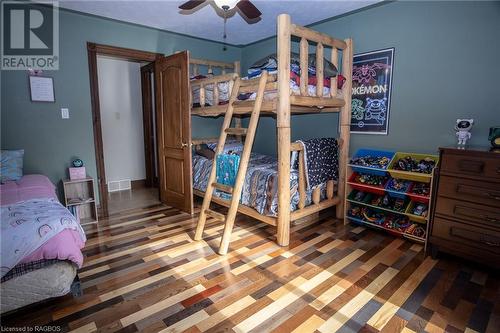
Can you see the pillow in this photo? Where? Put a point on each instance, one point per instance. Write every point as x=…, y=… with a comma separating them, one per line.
x=231, y=146
x=270, y=63
x=11, y=165
x=204, y=151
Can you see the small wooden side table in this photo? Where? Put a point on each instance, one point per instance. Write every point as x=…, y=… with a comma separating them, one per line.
x=79, y=198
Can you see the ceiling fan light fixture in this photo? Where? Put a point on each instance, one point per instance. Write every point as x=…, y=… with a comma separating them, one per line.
x=223, y=4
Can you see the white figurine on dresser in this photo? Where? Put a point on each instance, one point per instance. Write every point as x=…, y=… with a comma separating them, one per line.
x=463, y=128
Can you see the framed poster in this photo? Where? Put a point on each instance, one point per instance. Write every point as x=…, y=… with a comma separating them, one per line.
x=42, y=89
x=371, y=91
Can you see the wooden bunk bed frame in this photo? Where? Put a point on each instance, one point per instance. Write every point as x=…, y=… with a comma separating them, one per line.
x=283, y=107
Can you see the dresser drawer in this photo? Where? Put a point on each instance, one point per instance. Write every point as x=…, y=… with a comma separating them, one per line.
x=465, y=234
x=482, y=192
x=471, y=165
x=468, y=211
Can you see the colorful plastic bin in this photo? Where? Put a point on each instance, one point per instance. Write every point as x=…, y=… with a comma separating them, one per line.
x=374, y=153
x=413, y=176
x=364, y=187
x=397, y=194
x=413, y=217
x=417, y=197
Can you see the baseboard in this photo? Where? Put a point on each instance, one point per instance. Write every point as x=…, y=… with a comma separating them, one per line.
x=139, y=183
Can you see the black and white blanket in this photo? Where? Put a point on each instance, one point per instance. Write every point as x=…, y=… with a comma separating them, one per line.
x=320, y=160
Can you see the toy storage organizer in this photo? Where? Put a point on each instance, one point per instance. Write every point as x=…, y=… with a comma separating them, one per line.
x=385, y=197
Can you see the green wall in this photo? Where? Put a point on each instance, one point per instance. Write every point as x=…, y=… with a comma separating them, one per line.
x=50, y=142
x=445, y=67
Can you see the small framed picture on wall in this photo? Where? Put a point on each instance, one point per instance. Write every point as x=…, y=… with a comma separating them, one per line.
x=42, y=89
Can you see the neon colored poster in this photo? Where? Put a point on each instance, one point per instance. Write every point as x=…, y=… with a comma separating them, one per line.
x=371, y=91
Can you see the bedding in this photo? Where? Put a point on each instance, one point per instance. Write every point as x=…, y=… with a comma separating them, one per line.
x=268, y=95
x=28, y=187
x=11, y=165
x=65, y=245
x=320, y=160
x=27, y=225
x=260, y=186
x=269, y=64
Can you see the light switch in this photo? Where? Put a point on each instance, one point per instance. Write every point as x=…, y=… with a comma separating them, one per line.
x=65, y=113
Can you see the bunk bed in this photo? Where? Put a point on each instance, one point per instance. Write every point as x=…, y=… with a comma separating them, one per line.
x=281, y=104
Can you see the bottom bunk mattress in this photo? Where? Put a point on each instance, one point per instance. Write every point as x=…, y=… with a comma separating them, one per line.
x=36, y=285
x=260, y=189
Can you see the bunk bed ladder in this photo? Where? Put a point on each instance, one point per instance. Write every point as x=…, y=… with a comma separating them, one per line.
x=235, y=190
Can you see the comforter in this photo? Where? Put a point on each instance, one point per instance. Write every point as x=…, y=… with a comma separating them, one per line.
x=27, y=225
x=260, y=188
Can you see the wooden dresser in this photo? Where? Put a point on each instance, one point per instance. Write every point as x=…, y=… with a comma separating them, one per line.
x=466, y=215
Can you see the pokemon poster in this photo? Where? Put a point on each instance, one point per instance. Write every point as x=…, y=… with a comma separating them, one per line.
x=371, y=91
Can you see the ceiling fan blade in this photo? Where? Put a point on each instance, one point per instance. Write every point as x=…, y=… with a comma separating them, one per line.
x=191, y=4
x=248, y=9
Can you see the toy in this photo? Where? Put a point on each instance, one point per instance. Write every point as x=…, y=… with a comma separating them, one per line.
x=494, y=136
x=399, y=205
x=77, y=163
x=410, y=164
x=416, y=230
x=463, y=127
x=398, y=185
x=370, y=179
x=359, y=196
x=422, y=189
x=372, y=216
x=398, y=223
x=380, y=162
x=420, y=210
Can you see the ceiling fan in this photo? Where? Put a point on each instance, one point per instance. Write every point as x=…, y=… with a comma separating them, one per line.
x=225, y=8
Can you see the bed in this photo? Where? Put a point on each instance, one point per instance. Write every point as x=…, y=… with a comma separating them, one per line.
x=206, y=93
x=285, y=88
x=41, y=243
x=260, y=189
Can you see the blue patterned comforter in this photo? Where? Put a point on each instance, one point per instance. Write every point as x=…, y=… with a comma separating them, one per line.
x=261, y=183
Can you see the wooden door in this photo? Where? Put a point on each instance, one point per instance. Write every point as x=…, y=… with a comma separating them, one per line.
x=174, y=131
x=147, y=73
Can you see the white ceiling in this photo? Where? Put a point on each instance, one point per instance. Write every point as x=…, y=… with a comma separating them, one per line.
x=205, y=23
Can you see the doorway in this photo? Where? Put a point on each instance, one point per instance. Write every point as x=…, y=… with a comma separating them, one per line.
x=168, y=115
x=122, y=94
x=129, y=163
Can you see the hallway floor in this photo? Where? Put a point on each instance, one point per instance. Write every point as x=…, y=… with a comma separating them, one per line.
x=132, y=199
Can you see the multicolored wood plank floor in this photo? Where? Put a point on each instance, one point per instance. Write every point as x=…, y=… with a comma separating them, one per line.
x=143, y=272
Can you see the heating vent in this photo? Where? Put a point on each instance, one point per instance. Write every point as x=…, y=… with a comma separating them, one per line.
x=119, y=185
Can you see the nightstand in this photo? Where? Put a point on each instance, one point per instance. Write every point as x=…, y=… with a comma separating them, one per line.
x=79, y=198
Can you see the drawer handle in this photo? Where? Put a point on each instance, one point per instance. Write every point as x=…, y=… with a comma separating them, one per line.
x=469, y=212
x=484, y=241
x=491, y=219
x=459, y=233
x=494, y=196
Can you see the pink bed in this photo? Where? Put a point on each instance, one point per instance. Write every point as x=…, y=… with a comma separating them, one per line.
x=67, y=244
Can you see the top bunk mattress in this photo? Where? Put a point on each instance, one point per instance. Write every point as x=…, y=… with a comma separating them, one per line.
x=270, y=64
x=269, y=95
